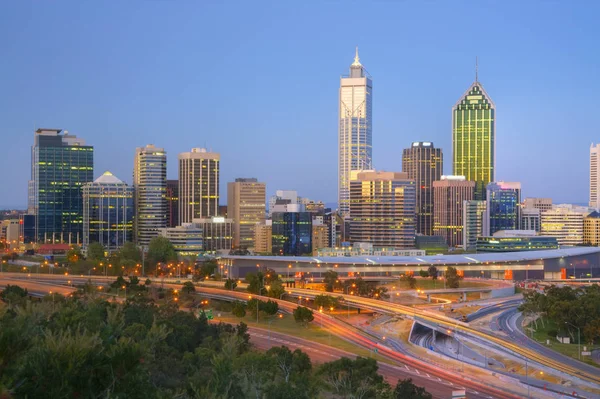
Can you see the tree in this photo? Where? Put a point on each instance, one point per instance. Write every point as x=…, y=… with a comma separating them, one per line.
x=270, y=276
x=276, y=289
x=290, y=364
x=161, y=250
x=380, y=293
x=188, y=287
x=207, y=268
x=130, y=252
x=255, y=282
x=354, y=378
x=412, y=282
x=330, y=278
x=423, y=273
x=95, y=251
x=13, y=294
x=405, y=389
x=269, y=307
x=230, y=284
x=74, y=254
x=303, y=315
x=452, y=277
x=239, y=309
x=326, y=301
x=433, y=272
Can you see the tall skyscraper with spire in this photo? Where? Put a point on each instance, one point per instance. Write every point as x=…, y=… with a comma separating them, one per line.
x=355, y=149
x=474, y=137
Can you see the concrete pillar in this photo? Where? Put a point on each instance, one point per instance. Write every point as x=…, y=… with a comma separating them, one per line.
x=429, y=298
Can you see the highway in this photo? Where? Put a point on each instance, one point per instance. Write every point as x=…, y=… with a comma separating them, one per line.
x=488, y=310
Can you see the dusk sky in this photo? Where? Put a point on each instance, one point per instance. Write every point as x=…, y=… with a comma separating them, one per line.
x=258, y=83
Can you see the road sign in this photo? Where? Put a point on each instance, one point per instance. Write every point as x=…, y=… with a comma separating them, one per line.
x=461, y=394
x=586, y=353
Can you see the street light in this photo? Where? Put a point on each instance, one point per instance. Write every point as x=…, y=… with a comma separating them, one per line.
x=347, y=302
x=578, y=339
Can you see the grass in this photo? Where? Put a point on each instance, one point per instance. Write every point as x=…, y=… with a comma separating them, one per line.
x=314, y=332
x=541, y=334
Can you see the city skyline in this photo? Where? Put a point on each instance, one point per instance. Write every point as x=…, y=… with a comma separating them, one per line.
x=104, y=115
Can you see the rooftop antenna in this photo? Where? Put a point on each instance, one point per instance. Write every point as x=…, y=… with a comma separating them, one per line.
x=476, y=69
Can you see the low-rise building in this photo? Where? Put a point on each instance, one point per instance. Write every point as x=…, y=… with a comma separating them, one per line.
x=263, y=239
x=367, y=249
x=591, y=229
x=187, y=238
x=217, y=233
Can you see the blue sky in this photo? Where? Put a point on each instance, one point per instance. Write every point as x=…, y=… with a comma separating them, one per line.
x=258, y=82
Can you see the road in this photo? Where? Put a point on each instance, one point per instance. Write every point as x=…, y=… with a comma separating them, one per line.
x=38, y=289
x=488, y=310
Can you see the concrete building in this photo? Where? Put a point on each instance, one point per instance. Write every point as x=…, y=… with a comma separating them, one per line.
x=382, y=209
x=543, y=204
x=9, y=233
x=531, y=219
x=320, y=234
x=198, y=184
x=107, y=212
x=150, y=193
x=61, y=164
x=449, y=195
x=591, y=229
x=423, y=163
x=315, y=207
x=263, y=237
x=367, y=249
x=474, y=138
x=246, y=199
x=217, y=233
x=282, y=197
x=565, y=222
x=186, y=238
x=594, y=176
x=503, y=206
x=172, y=195
x=355, y=147
x=291, y=233
x=474, y=220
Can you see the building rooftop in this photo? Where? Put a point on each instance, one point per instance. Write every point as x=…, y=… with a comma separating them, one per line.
x=108, y=178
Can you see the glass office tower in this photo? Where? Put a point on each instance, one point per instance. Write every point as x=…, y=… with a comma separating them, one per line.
x=423, y=163
x=355, y=149
x=474, y=138
x=107, y=212
x=292, y=233
x=60, y=165
x=503, y=206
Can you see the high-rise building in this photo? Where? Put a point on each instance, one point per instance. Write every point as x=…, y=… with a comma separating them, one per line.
x=565, y=222
x=246, y=199
x=543, y=204
x=474, y=138
x=355, y=151
x=291, y=233
x=198, y=184
x=150, y=193
x=282, y=197
x=263, y=238
x=503, y=206
x=9, y=233
x=531, y=219
x=595, y=176
x=172, y=195
x=107, y=212
x=60, y=165
x=449, y=194
x=474, y=220
x=423, y=163
x=382, y=209
x=591, y=229
x=217, y=233
x=320, y=234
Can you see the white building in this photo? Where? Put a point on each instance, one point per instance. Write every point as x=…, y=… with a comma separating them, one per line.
x=187, y=238
x=474, y=220
x=565, y=222
x=594, y=176
x=283, y=196
x=355, y=151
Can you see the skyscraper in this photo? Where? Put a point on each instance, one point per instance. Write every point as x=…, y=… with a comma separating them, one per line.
x=474, y=220
x=172, y=203
x=503, y=206
x=355, y=150
x=150, y=187
x=382, y=209
x=474, y=138
x=246, y=205
x=595, y=176
x=107, y=212
x=60, y=165
x=450, y=194
x=198, y=184
x=423, y=163
x=292, y=233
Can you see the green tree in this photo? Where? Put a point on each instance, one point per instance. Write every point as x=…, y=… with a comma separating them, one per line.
x=380, y=293
x=13, y=295
x=452, y=277
x=276, y=289
x=291, y=365
x=230, y=284
x=161, y=250
x=239, y=309
x=331, y=280
x=412, y=282
x=255, y=282
x=95, y=251
x=188, y=287
x=354, y=378
x=405, y=389
x=423, y=273
x=303, y=315
x=207, y=268
x=269, y=307
x=326, y=301
x=74, y=254
x=130, y=252
x=432, y=272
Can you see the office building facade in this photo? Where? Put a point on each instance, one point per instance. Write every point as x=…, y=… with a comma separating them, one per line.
x=449, y=194
x=503, y=206
x=355, y=148
x=531, y=219
x=217, y=233
x=107, y=212
x=591, y=229
x=423, y=163
x=594, y=201
x=246, y=203
x=186, y=239
x=172, y=195
x=474, y=138
x=542, y=204
x=198, y=184
x=150, y=193
x=382, y=209
x=320, y=234
x=565, y=223
x=61, y=164
x=474, y=219
x=291, y=233
x=263, y=238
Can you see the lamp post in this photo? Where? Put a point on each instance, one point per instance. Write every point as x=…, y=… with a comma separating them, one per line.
x=347, y=302
x=578, y=339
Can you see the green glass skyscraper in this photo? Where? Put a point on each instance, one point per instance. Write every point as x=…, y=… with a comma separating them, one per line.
x=60, y=165
x=474, y=138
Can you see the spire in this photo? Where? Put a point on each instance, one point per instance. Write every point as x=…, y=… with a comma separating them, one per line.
x=356, y=59
x=476, y=70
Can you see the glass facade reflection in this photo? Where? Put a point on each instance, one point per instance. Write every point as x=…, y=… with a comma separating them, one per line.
x=503, y=206
x=292, y=233
x=474, y=138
